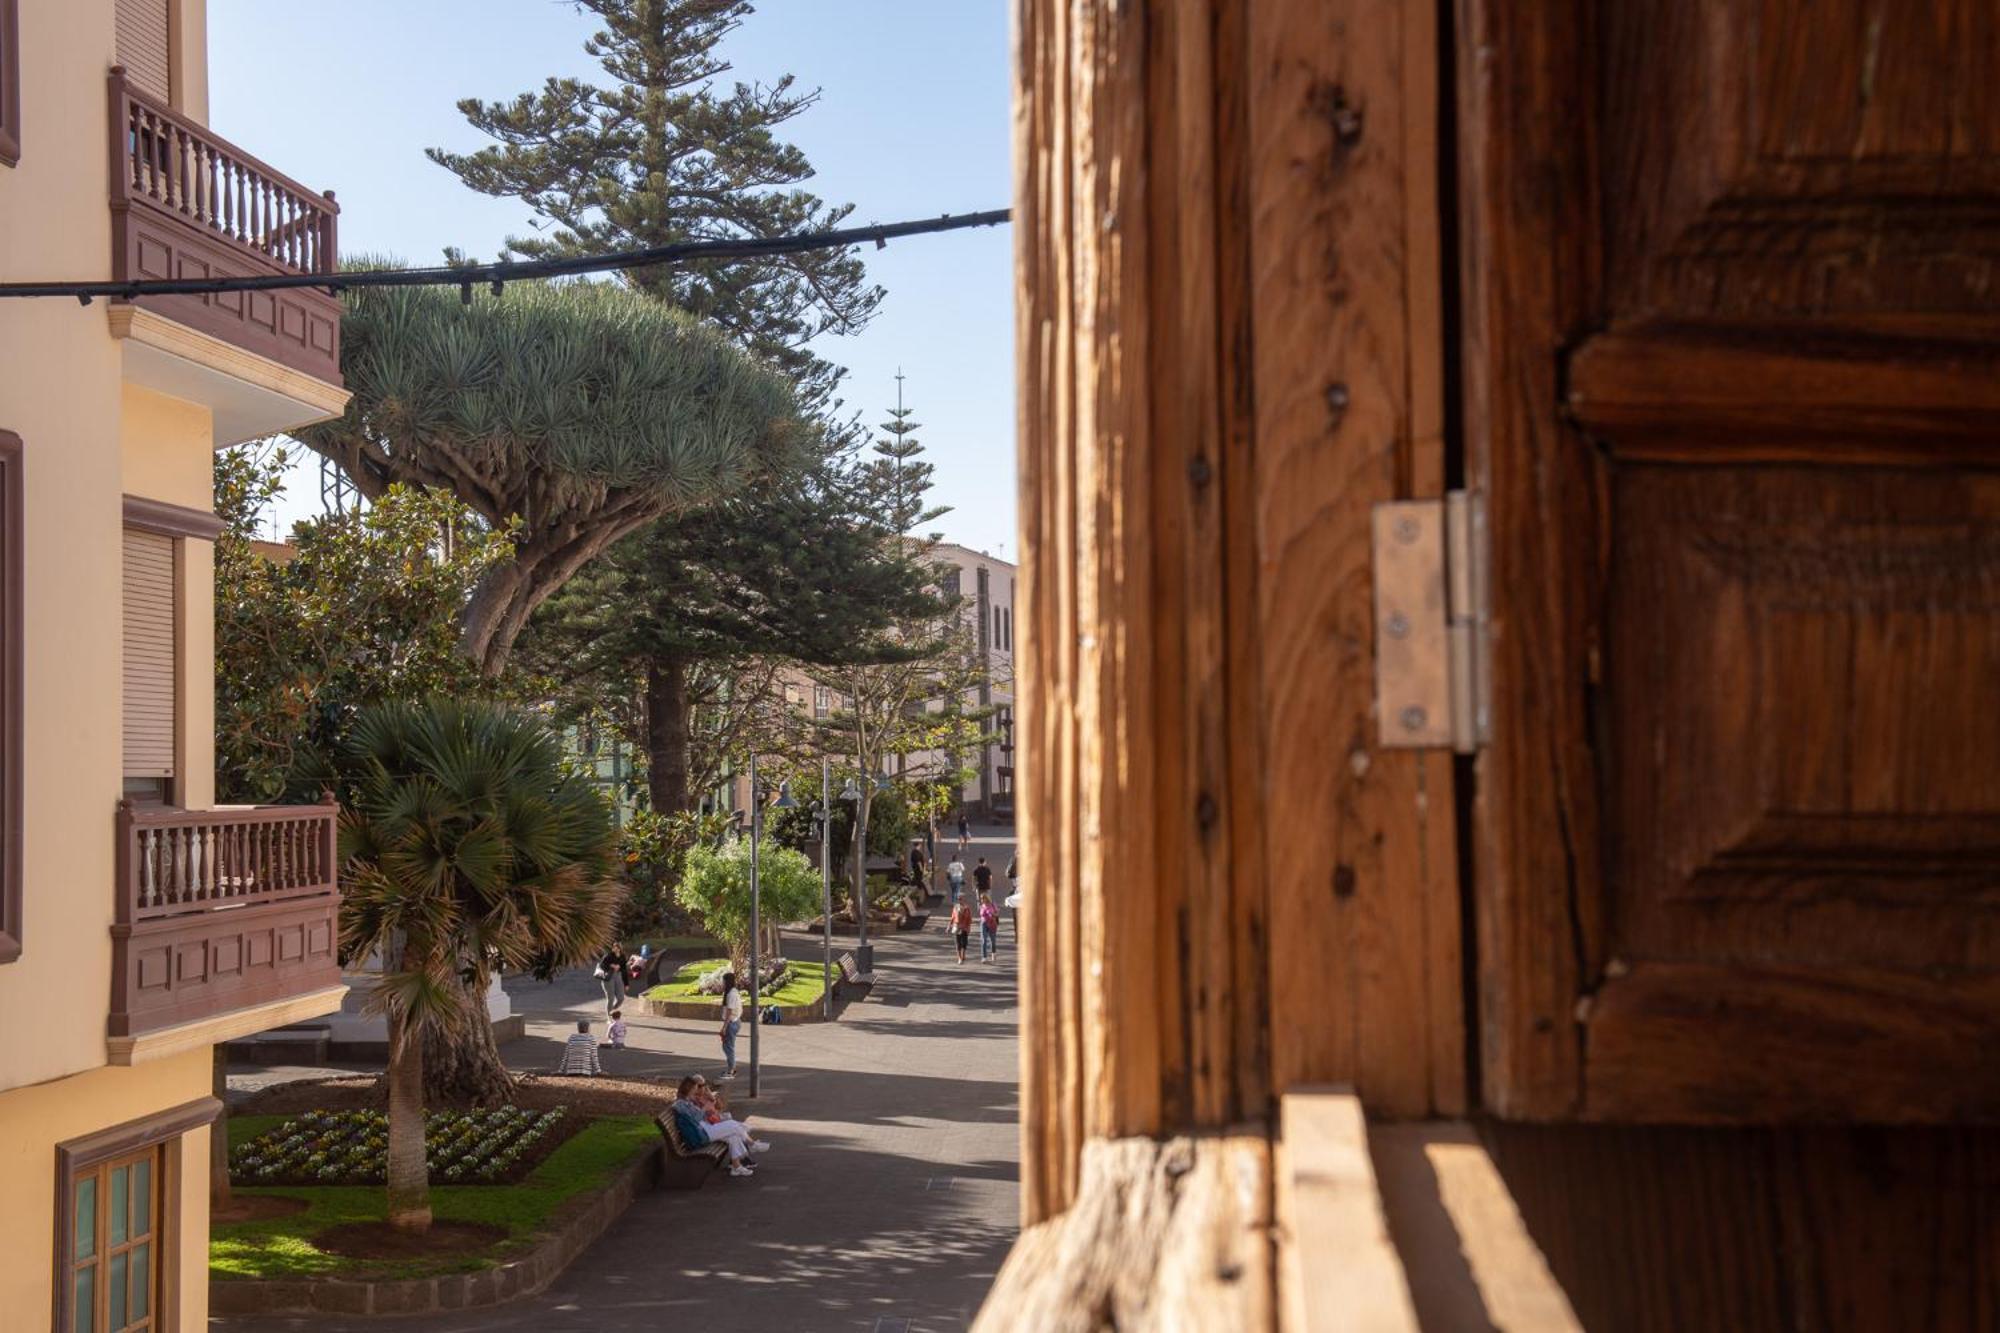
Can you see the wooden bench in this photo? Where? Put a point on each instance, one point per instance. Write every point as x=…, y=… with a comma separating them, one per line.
x=851, y=975
x=686, y=1168
x=916, y=911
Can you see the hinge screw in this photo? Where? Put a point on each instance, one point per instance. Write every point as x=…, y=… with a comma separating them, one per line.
x=1414, y=718
x=1199, y=471
x=1407, y=530
x=1396, y=626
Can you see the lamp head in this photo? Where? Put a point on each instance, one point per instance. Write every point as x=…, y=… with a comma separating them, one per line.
x=850, y=792
x=784, y=801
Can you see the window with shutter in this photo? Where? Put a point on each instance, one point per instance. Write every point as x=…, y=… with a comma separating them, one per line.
x=145, y=45
x=151, y=652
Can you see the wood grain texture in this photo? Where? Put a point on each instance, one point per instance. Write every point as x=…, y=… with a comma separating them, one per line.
x=1196, y=659
x=1161, y=1235
x=1661, y=1230
x=1529, y=260
x=1728, y=343
x=1337, y=1266
x=1357, y=851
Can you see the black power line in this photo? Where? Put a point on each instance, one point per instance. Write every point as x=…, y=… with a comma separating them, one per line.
x=467, y=276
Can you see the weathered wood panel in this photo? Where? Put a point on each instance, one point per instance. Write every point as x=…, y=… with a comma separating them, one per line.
x=1230, y=349
x=1161, y=1235
x=1359, y=840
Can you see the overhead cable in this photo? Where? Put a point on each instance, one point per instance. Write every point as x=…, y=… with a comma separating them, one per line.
x=495, y=275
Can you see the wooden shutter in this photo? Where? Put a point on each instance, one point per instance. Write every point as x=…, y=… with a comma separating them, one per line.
x=1731, y=358
x=144, y=48
x=150, y=653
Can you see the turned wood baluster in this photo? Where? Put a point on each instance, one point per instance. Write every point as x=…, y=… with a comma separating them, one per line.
x=148, y=879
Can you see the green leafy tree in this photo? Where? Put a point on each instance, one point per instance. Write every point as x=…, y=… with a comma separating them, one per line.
x=920, y=709
x=654, y=849
x=464, y=846
x=715, y=886
x=661, y=150
x=691, y=621
x=568, y=414
x=360, y=608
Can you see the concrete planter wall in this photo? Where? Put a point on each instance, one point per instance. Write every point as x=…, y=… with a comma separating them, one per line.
x=524, y=1275
x=801, y=1013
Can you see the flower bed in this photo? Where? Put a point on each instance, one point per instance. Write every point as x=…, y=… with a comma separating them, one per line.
x=797, y=984
x=496, y=1147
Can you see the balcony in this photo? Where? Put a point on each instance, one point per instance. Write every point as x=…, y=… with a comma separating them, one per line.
x=220, y=912
x=186, y=203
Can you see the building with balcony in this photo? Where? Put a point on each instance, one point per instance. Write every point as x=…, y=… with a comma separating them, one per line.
x=986, y=583
x=140, y=926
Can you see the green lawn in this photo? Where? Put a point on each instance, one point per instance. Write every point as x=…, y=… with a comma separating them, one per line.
x=803, y=985
x=282, y=1246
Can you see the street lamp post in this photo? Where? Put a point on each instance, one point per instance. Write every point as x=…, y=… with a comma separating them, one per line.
x=756, y=942
x=863, y=957
x=826, y=874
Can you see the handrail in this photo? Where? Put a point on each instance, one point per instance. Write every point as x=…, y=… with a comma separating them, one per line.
x=164, y=160
x=176, y=862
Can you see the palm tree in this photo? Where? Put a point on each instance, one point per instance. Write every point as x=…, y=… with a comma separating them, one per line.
x=463, y=845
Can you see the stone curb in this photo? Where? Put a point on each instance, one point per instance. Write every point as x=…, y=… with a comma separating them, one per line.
x=524, y=1275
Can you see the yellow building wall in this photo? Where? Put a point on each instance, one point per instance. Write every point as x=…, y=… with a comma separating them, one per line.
x=34, y=1120
x=59, y=391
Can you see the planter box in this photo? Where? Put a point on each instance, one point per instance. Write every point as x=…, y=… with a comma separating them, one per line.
x=524, y=1275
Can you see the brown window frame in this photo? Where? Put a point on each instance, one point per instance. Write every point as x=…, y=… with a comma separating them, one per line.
x=160, y=1134
x=10, y=82
x=179, y=524
x=12, y=512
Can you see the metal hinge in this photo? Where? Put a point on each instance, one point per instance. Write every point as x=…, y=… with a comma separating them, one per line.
x=1431, y=648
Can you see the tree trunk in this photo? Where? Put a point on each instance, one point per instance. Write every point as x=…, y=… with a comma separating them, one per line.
x=667, y=734
x=409, y=1173
x=485, y=610
x=463, y=1068
x=218, y=1136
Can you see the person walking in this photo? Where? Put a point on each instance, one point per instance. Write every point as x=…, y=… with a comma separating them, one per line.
x=732, y=1022
x=989, y=928
x=964, y=831
x=611, y=975
x=955, y=875
x=961, y=924
x=982, y=877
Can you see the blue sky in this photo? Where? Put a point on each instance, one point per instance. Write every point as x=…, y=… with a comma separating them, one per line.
x=912, y=122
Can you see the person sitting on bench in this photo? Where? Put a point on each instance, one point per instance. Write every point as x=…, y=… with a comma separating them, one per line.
x=691, y=1119
x=715, y=1111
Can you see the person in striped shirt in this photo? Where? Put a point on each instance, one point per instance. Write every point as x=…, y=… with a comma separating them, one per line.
x=580, y=1052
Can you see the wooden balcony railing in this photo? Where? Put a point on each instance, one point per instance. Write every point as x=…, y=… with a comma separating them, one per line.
x=187, y=203
x=179, y=861
x=220, y=910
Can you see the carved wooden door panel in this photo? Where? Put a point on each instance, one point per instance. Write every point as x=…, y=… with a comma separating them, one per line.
x=1731, y=355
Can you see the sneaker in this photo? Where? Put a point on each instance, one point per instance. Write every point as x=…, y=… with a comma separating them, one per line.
x=738, y=1169
x=761, y=1145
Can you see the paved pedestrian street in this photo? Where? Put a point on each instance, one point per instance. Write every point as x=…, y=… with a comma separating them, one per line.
x=887, y=1201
